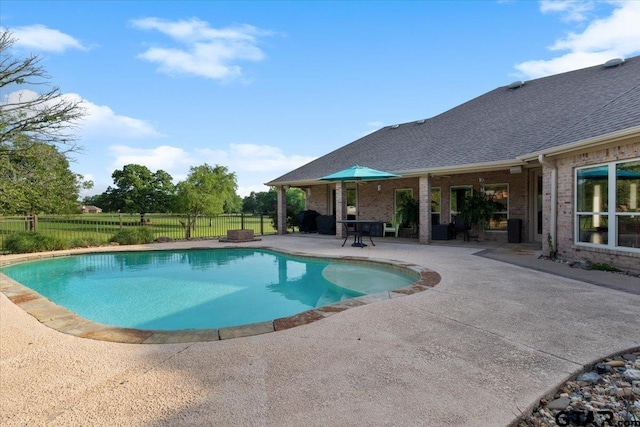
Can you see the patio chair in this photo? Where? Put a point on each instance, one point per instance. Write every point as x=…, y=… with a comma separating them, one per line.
x=391, y=227
x=351, y=230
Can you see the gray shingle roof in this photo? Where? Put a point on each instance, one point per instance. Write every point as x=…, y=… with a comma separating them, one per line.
x=499, y=125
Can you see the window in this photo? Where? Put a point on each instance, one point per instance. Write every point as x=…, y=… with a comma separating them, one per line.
x=499, y=193
x=607, y=211
x=458, y=194
x=352, y=202
x=592, y=205
x=435, y=205
x=627, y=208
x=401, y=195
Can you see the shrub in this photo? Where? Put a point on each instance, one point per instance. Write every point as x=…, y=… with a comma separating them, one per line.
x=85, y=242
x=133, y=236
x=604, y=267
x=23, y=242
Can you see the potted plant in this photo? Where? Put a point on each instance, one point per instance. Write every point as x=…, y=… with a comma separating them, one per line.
x=409, y=214
x=476, y=211
x=552, y=253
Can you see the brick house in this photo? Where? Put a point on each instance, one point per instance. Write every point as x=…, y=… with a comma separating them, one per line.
x=90, y=209
x=561, y=154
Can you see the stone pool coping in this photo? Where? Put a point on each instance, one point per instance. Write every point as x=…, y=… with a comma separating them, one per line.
x=62, y=320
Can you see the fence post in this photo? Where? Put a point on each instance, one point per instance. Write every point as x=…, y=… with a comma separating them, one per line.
x=120, y=216
x=261, y=225
x=242, y=220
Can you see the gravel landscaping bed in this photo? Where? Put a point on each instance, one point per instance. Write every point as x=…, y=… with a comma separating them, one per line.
x=608, y=394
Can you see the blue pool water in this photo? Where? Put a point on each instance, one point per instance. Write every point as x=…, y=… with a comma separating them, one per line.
x=198, y=289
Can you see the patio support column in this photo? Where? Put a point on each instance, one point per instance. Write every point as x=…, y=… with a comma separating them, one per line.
x=341, y=207
x=281, y=208
x=424, y=200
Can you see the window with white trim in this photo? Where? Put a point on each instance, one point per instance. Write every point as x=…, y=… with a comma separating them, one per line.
x=457, y=194
x=608, y=205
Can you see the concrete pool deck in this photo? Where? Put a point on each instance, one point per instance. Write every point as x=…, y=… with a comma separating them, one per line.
x=478, y=349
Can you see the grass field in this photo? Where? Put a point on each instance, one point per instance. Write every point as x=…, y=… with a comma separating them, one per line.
x=103, y=226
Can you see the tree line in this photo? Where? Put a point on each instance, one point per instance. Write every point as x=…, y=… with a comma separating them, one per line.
x=207, y=190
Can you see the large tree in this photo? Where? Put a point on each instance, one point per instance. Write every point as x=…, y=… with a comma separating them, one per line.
x=138, y=190
x=32, y=106
x=38, y=180
x=205, y=192
x=265, y=202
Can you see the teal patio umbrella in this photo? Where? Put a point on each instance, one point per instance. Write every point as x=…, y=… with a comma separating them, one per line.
x=359, y=173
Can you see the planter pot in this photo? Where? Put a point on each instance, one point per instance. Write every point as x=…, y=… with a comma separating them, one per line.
x=407, y=232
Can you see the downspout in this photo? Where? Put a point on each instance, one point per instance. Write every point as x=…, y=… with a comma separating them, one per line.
x=554, y=200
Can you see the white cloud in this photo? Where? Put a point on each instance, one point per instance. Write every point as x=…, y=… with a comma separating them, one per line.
x=255, y=158
x=102, y=122
x=204, y=51
x=99, y=121
x=46, y=39
x=253, y=164
x=572, y=11
x=617, y=35
x=174, y=160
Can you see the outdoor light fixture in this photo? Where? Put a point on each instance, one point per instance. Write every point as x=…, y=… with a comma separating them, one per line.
x=379, y=187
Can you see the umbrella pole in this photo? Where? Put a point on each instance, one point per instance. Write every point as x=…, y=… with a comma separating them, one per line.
x=357, y=200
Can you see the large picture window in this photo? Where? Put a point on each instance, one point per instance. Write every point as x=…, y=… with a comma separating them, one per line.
x=401, y=194
x=499, y=193
x=456, y=199
x=607, y=209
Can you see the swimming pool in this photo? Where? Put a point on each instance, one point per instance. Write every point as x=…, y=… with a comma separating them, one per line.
x=199, y=289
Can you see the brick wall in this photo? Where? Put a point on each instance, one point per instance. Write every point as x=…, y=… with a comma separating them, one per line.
x=566, y=195
x=518, y=197
x=318, y=197
x=379, y=205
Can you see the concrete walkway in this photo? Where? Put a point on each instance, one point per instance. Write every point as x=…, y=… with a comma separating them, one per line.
x=476, y=350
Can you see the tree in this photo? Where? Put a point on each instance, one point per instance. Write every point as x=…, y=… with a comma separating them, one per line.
x=138, y=190
x=234, y=205
x=250, y=203
x=42, y=117
x=38, y=180
x=204, y=192
x=296, y=199
x=263, y=202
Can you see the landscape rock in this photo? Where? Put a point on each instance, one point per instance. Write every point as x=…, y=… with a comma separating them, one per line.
x=632, y=374
x=590, y=377
x=559, y=403
x=616, y=389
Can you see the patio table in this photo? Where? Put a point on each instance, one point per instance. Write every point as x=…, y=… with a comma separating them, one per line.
x=358, y=228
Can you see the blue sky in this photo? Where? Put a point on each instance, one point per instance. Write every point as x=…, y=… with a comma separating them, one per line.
x=263, y=87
